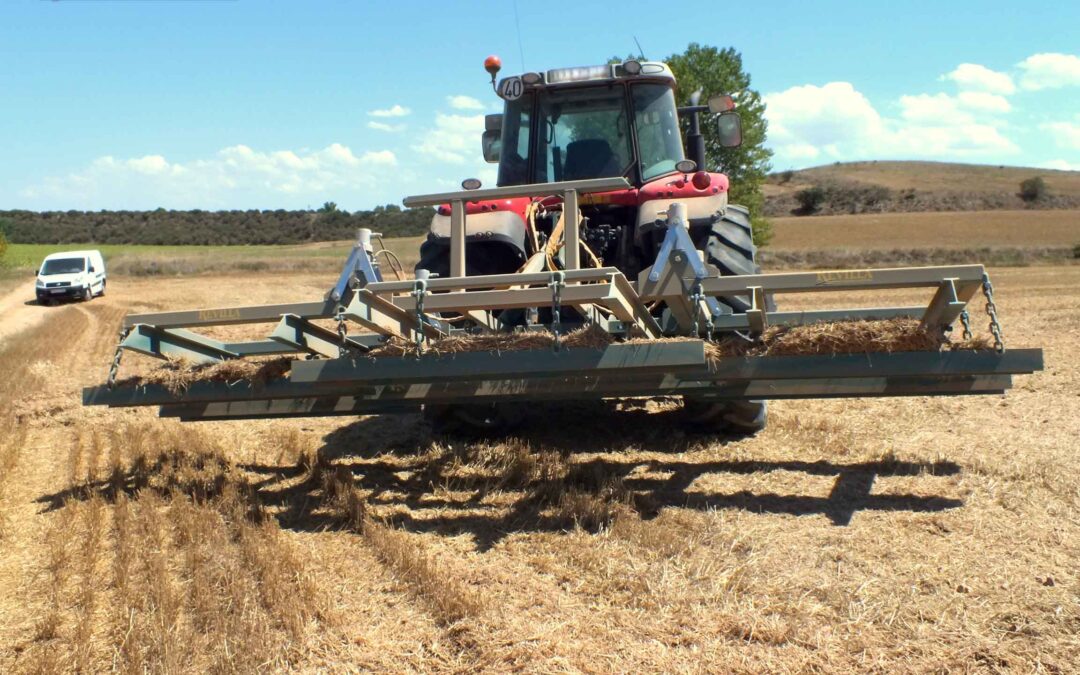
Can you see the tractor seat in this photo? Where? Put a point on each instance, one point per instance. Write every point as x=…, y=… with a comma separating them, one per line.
x=589, y=158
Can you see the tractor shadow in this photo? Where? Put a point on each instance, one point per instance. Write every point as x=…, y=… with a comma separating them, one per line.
x=617, y=460
x=634, y=457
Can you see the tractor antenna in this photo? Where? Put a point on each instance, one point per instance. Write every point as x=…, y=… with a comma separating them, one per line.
x=640, y=51
x=517, y=25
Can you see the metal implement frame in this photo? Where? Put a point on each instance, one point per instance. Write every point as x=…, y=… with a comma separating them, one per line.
x=337, y=377
x=673, y=367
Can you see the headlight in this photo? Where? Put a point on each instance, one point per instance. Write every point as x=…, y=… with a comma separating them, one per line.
x=39, y=283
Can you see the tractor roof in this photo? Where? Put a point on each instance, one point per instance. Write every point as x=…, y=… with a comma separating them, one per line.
x=628, y=70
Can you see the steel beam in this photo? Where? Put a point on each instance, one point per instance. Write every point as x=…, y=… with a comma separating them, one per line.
x=571, y=231
x=495, y=281
x=305, y=336
x=531, y=190
x=536, y=390
x=638, y=357
x=161, y=343
x=848, y=280
x=225, y=316
x=742, y=322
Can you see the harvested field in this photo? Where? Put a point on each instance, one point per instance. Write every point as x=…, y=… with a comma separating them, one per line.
x=889, y=535
x=957, y=230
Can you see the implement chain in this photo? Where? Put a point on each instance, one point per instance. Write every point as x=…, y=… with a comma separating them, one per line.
x=991, y=311
x=419, y=291
x=697, y=296
x=558, y=280
x=966, y=321
x=343, y=334
x=114, y=369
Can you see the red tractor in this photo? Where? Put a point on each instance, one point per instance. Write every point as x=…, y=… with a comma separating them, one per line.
x=616, y=120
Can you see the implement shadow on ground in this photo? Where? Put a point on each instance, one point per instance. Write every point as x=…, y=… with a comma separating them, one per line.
x=388, y=458
x=391, y=461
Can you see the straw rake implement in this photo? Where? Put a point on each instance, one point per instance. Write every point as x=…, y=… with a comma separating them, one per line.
x=660, y=333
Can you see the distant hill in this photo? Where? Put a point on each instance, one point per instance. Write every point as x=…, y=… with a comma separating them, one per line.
x=895, y=186
x=196, y=227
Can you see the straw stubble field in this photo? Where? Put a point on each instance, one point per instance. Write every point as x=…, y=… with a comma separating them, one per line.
x=906, y=535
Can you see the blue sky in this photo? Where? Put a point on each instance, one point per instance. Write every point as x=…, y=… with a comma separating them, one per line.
x=270, y=104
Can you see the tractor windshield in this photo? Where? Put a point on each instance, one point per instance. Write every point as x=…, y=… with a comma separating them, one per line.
x=659, y=143
x=589, y=132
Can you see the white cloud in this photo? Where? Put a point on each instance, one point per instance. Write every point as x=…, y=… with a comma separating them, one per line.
x=981, y=101
x=1064, y=133
x=454, y=139
x=1050, y=71
x=933, y=109
x=837, y=122
x=382, y=126
x=1062, y=165
x=973, y=77
x=461, y=102
x=395, y=110
x=809, y=120
x=235, y=175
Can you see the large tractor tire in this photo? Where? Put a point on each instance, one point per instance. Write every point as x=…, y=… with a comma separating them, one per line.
x=729, y=246
x=470, y=420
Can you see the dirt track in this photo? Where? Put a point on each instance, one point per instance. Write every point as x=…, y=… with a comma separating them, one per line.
x=884, y=535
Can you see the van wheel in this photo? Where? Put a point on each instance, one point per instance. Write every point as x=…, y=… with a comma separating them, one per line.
x=88, y=294
x=102, y=293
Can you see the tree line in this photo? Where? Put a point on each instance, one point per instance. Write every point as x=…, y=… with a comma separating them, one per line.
x=209, y=228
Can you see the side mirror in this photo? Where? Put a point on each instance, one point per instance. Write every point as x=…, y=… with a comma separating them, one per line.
x=90, y=269
x=492, y=138
x=721, y=103
x=492, y=142
x=729, y=126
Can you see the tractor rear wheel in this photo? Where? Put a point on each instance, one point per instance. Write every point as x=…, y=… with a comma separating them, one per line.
x=729, y=246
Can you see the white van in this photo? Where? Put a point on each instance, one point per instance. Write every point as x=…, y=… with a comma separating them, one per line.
x=75, y=274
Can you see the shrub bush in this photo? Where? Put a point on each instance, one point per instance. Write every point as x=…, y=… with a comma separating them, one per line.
x=1033, y=189
x=810, y=200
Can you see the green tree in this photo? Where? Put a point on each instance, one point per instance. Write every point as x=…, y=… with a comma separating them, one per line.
x=720, y=71
x=3, y=241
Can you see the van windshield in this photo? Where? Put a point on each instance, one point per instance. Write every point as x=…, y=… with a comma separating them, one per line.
x=63, y=266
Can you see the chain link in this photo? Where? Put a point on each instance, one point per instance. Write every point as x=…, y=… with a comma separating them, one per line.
x=419, y=291
x=558, y=280
x=114, y=369
x=991, y=311
x=697, y=297
x=343, y=335
x=965, y=319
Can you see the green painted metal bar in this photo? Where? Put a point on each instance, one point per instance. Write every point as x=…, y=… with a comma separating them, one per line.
x=160, y=343
x=305, y=336
x=899, y=364
x=488, y=281
x=531, y=190
x=640, y=357
x=224, y=316
x=534, y=390
x=846, y=280
x=741, y=322
x=534, y=375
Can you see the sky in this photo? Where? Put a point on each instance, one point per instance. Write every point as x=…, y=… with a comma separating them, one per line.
x=238, y=104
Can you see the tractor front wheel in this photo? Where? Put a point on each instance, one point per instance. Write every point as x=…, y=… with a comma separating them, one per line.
x=729, y=246
x=732, y=417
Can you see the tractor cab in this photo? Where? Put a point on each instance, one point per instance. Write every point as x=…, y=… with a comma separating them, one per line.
x=595, y=122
